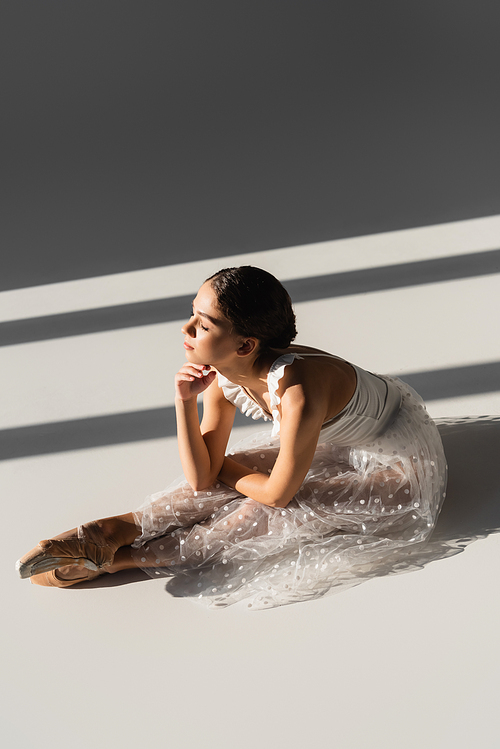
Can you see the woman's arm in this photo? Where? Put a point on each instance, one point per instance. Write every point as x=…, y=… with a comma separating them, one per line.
x=302, y=415
x=201, y=447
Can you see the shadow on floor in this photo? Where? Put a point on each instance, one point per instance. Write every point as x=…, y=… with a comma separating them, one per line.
x=472, y=507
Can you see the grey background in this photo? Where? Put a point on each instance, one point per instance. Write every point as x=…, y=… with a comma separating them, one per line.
x=138, y=134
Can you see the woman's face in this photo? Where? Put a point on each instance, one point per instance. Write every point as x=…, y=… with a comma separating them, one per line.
x=208, y=337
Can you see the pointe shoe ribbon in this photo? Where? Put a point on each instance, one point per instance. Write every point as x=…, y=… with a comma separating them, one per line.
x=50, y=579
x=89, y=548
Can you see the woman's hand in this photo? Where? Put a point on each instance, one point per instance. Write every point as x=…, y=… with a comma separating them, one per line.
x=201, y=446
x=192, y=379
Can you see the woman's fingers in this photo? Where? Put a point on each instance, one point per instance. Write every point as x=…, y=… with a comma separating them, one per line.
x=193, y=379
x=194, y=370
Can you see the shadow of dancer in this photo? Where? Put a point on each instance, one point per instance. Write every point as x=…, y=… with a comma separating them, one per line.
x=472, y=506
x=471, y=509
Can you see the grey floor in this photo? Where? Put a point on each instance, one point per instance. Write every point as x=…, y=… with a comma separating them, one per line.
x=409, y=660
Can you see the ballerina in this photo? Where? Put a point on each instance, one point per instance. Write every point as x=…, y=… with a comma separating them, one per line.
x=351, y=476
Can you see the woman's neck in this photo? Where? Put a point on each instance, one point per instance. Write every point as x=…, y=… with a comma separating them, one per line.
x=249, y=374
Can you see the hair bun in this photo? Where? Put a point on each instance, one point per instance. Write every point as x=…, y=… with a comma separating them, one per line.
x=256, y=304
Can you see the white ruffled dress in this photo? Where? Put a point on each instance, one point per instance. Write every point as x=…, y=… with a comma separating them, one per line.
x=367, y=504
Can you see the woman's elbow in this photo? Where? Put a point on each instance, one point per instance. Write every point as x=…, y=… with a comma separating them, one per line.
x=274, y=496
x=202, y=483
x=197, y=483
x=279, y=501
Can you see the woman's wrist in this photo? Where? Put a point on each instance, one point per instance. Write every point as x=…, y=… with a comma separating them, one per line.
x=225, y=474
x=186, y=402
x=232, y=472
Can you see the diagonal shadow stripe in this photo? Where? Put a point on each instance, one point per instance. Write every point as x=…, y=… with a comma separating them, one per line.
x=156, y=423
x=95, y=320
x=394, y=276
x=301, y=290
x=95, y=431
x=455, y=382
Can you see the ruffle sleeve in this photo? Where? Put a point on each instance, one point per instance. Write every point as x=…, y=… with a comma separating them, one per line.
x=237, y=396
x=273, y=380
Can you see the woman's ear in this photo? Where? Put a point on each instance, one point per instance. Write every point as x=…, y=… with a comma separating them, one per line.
x=249, y=346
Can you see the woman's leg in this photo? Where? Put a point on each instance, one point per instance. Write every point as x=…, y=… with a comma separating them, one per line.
x=118, y=529
x=207, y=539
x=99, y=540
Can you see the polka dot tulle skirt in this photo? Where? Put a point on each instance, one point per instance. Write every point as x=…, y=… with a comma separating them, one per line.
x=361, y=511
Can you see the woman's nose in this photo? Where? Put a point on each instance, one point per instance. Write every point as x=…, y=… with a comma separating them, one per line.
x=187, y=329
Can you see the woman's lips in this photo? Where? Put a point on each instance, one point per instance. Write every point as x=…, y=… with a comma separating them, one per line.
x=188, y=347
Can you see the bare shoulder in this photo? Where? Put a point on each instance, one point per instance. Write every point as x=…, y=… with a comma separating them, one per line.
x=321, y=383
x=305, y=387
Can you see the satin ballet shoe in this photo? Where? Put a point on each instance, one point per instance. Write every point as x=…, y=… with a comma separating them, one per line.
x=50, y=579
x=89, y=548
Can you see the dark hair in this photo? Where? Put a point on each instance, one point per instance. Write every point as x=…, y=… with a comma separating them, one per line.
x=256, y=304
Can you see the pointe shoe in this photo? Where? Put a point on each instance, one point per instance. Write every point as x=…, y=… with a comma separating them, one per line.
x=89, y=548
x=50, y=579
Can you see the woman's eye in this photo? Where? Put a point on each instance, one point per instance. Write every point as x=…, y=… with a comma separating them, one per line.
x=201, y=326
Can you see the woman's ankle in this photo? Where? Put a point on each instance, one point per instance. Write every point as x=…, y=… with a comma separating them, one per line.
x=123, y=560
x=120, y=530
